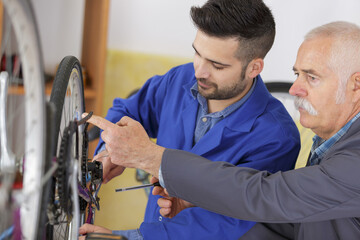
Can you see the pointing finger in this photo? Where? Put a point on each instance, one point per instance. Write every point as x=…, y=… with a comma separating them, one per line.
x=126, y=121
x=99, y=122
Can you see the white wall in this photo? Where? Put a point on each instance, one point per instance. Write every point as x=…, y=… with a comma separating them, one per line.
x=165, y=27
x=156, y=26
x=60, y=25
x=294, y=18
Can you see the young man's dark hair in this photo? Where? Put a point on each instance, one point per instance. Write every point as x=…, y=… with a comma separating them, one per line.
x=250, y=21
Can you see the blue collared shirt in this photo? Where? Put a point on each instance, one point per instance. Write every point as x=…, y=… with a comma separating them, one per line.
x=205, y=121
x=320, y=146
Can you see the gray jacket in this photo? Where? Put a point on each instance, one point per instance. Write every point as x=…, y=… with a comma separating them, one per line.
x=315, y=202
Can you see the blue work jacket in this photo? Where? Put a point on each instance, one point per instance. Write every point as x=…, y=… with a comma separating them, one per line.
x=260, y=134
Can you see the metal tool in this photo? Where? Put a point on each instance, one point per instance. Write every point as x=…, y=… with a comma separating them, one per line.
x=137, y=187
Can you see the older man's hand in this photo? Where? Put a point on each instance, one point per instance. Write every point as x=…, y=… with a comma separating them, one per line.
x=128, y=144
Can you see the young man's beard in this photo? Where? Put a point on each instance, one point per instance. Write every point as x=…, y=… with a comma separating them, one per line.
x=225, y=92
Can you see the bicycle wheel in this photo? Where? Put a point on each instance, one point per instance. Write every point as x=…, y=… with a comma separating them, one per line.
x=280, y=90
x=68, y=97
x=22, y=122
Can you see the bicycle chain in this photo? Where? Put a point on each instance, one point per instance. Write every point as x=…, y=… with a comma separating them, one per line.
x=64, y=162
x=84, y=159
x=62, y=171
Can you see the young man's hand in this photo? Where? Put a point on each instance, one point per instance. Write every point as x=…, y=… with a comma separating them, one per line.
x=169, y=206
x=110, y=170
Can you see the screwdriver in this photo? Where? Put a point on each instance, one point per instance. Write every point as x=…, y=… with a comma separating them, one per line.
x=138, y=187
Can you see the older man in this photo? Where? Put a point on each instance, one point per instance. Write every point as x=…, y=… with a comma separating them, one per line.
x=320, y=201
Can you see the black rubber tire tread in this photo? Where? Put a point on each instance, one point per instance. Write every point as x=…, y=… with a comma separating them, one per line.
x=59, y=88
x=278, y=86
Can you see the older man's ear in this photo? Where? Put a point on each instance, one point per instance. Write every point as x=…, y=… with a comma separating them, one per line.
x=355, y=86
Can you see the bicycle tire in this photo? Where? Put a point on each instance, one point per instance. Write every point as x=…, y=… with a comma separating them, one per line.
x=19, y=21
x=68, y=97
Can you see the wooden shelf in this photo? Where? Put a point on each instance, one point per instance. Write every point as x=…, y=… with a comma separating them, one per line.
x=93, y=58
x=89, y=93
x=94, y=48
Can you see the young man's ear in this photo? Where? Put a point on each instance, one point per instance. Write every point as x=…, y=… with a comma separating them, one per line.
x=255, y=67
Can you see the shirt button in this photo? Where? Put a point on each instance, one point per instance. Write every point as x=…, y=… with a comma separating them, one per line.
x=160, y=218
x=204, y=119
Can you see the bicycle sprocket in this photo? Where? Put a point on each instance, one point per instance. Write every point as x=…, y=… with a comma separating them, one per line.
x=63, y=171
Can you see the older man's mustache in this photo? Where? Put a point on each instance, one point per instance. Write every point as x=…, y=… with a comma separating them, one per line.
x=306, y=105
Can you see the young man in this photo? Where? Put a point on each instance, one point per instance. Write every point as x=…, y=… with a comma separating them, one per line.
x=320, y=201
x=218, y=107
